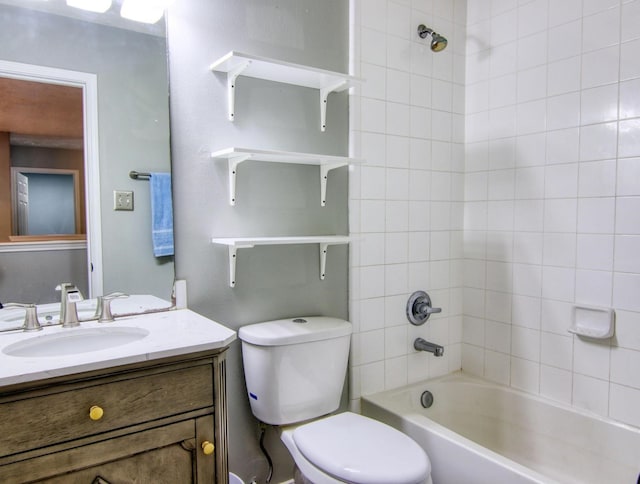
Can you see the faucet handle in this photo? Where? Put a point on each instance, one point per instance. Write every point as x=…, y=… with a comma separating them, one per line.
x=419, y=308
x=103, y=309
x=31, y=322
x=424, y=308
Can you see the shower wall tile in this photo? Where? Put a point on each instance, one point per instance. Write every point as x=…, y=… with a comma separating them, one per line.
x=563, y=76
x=552, y=198
x=629, y=101
x=532, y=51
x=565, y=11
x=627, y=253
x=629, y=62
x=594, y=287
x=373, y=14
x=629, y=137
x=607, y=23
x=624, y=403
x=628, y=329
x=595, y=251
x=598, y=141
x=599, y=105
x=503, y=177
x=590, y=394
x=628, y=215
x=596, y=215
x=410, y=201
x=597, y=179
x=630, y=20
x=376, y=76
x=625, y=291
x=525, y=375
x=594, y=6
x=555, y=383
x=563, y=111
x=600, y=67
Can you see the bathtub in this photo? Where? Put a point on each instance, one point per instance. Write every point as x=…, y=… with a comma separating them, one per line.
x=480, y=432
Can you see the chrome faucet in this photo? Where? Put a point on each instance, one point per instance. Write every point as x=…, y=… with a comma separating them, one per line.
x=423, y=345
x=103, y=307
x=69, y=296
x=31, y=322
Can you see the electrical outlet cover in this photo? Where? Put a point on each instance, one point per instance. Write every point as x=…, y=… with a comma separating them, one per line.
x=122, y=200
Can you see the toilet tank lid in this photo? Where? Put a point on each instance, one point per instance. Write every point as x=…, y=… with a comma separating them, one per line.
x=294, y=331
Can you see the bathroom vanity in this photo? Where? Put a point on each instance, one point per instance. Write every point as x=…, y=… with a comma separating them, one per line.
x=149, y=410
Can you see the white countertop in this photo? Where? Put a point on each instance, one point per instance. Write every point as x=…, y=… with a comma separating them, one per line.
x=171, y=333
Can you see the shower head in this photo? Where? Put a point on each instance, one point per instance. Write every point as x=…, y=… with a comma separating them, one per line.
x=438, y=42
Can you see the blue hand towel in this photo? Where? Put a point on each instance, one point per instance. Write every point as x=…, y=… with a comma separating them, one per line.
x=161, y=214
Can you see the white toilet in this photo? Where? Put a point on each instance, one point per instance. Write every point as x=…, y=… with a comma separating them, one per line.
x=295, y=370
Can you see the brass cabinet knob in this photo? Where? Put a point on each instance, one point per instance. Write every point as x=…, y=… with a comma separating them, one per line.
x=207, y=447
x=96, y=412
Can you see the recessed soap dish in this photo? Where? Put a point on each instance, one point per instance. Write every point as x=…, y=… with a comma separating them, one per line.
x=593, y=322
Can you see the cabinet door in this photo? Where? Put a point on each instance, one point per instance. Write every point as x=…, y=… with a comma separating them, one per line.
x=169, y=454
x=170, y=464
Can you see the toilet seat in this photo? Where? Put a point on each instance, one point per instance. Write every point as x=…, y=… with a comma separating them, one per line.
x=356, y=449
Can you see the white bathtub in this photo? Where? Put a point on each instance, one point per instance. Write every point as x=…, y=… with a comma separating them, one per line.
x=480, y=432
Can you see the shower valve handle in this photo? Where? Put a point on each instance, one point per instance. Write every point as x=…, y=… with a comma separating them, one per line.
x=419, y=308
x=424, y=308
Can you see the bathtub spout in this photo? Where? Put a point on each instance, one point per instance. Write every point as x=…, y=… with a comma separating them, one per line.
x=422, y=345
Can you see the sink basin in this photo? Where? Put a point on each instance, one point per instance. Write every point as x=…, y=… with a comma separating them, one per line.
x=75, y=341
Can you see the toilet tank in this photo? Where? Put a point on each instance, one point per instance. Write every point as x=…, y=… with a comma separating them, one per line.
x=295, y=368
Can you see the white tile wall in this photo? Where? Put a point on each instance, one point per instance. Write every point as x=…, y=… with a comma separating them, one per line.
x=407, y=207
x=503, y=177
x=567, y=197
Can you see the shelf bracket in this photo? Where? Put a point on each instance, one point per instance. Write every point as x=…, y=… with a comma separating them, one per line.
x=325, y=168
x=234, y=161
x=233, y=252
x=323, y=258
x=233, y=256
x=324, y=93
x=232, y=75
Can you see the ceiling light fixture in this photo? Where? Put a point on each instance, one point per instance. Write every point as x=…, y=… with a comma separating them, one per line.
x=146, y=11
x=99, y=6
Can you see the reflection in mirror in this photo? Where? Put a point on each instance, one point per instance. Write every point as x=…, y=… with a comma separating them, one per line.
x=45, y=126
x=118, y=70
x=36, y=109
x=45, y=201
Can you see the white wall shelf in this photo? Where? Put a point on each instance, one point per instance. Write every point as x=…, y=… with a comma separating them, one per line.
x=235, y=156
x=236, y=64
x=235, y=243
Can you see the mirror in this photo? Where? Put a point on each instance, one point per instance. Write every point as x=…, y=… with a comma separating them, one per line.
x=120, y=69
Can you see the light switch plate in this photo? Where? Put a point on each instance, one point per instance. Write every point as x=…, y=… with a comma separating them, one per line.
x=122, y=200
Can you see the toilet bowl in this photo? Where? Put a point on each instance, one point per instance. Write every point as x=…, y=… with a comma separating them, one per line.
x=295, y=370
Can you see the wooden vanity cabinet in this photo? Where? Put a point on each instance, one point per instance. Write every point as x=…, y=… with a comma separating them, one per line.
x=156, y=422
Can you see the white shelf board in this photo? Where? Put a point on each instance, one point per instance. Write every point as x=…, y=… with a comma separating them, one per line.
x=243, y=242
x=284, y=72
x=235, y=243
x=236, y=64
x=234, y=156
